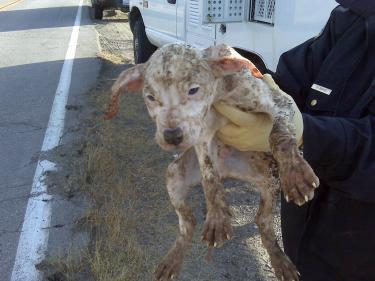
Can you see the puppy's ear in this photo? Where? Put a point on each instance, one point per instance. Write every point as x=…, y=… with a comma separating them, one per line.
x=129, y=80
x=225, y=60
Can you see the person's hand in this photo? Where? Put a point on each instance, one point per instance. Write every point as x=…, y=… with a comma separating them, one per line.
x=249, y=131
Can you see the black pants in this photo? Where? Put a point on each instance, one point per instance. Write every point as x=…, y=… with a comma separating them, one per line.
x=332, y=238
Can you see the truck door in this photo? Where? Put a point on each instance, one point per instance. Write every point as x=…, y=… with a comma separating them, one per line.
x=159, y=17
x=197, y=34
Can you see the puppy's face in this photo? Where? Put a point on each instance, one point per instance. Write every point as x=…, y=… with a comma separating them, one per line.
x=178, y=85
x=178, y=92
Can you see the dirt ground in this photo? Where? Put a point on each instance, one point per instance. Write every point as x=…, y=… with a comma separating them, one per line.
x=118, y=171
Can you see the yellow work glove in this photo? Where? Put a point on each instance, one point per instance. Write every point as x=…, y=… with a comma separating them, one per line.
x=249, y=131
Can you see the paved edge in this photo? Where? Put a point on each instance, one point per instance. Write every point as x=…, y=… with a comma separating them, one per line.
x=34, y=236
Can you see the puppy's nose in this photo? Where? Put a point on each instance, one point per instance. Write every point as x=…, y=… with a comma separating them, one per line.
x=173, y=136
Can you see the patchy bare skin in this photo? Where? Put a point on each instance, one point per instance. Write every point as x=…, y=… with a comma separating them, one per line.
x=179, y=86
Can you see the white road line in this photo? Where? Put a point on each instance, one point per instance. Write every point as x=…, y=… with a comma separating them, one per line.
x=34, y=235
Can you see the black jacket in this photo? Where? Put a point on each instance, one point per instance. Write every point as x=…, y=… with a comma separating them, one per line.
x=339, y=131
x=331, y=78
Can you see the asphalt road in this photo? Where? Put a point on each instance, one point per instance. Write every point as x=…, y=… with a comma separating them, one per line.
x=34, y=37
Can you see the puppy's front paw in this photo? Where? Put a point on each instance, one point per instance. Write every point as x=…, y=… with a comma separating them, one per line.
x=170, y=266
x=298, y=180
x=217, y=227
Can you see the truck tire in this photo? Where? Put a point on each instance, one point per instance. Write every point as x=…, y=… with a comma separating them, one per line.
x=98, y=12
x=143, y=49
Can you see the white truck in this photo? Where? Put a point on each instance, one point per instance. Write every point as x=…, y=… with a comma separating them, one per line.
x=260, y=30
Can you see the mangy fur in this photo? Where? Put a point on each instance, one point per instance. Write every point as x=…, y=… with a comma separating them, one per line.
x=222, y=75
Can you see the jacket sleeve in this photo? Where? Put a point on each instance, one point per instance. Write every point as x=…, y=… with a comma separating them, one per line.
x=344, y=155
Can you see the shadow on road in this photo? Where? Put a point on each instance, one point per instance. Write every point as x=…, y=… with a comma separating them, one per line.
x=30, y=88
x=17, y=20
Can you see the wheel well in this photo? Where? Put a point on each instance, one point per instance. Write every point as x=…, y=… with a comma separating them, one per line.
x=255, y=59
x=134, y=14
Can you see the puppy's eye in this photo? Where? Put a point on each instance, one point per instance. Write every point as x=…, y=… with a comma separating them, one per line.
x=151, y=98
x=193, y=91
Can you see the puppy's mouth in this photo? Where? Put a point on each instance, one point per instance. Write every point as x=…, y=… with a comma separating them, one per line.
x=172, y=147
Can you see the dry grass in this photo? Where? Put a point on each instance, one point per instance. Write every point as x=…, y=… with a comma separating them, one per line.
x=115, y=252
x=125, y=191
x=113, y=57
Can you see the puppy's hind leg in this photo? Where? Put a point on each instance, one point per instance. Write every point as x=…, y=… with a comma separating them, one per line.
x=284, y=268
x=182, y=174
